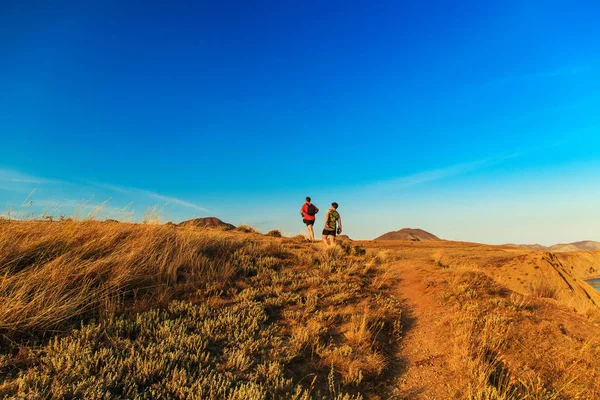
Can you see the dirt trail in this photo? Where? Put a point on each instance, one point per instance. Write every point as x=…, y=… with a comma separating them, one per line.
x=425, y=351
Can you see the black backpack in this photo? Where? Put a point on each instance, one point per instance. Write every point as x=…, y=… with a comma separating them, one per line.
x=312, y=210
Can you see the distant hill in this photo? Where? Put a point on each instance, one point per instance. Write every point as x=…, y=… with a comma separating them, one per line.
x=415, y=235
x=207, y=222
x=529, y=246
x=585, y=245
x=575, y=246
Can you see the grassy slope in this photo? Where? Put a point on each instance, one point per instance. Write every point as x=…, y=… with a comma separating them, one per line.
x=91, y=309
x=493, y=337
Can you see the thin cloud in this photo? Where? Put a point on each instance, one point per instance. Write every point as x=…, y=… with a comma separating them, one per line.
x=114, y=188
x=153, y=195
x=58, y=203
x=177, y=201
x=436, y=174
x=445, y=172
x=17, y=181
x=7, y=175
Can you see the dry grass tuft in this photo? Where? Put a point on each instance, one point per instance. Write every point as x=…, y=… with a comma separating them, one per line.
x=274, y=233
x=246, y=229
x=542, y=288
x=440, y=259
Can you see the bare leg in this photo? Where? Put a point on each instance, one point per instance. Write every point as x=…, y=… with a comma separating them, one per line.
x=325, y=240
x=311, y=233
x=332, y=241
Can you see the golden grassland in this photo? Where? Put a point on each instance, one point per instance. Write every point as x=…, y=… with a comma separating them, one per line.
x=536, y=336
x=92, y=309
x=105, y=309
x=516, y=347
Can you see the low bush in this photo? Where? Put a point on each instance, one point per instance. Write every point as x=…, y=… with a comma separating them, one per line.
x=274, y=233
x=246, y=229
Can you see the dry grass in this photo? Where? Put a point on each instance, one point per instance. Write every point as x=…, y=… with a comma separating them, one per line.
x=508, y=346
x=53, y=272
x=274, y=233
x=441, y=259
x=246, y=229
x=94, y=309
x=543, y=288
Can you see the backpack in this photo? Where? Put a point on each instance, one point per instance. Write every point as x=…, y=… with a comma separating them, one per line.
x=312, y=210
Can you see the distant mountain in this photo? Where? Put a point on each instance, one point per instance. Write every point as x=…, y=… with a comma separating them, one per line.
x=415, y=235
x=585, y=245
x=207, y=222
x=575, y=246
x=529, y=246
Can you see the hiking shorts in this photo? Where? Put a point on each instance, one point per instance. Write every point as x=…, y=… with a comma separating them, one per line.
x=327, y=232
x=309, y=221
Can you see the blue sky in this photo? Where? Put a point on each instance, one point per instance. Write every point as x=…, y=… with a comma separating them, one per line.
x=476, y=121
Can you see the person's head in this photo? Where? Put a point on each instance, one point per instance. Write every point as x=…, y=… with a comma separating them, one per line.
x=307, y=199
x=334, y=205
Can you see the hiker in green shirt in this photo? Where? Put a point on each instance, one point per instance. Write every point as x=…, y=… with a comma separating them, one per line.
x=332, y=217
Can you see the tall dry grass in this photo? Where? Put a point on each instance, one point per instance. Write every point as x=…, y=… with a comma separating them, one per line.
x=53, y=272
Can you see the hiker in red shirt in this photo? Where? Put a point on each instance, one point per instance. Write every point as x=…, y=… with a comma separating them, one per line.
x=308, y=212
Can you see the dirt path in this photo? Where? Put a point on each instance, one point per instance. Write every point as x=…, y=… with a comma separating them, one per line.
x=427, y=346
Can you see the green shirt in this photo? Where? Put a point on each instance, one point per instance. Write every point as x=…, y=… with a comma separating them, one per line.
x=332, y=220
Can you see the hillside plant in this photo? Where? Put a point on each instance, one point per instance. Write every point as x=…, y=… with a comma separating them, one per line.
x=274, y=233
x=542, y=288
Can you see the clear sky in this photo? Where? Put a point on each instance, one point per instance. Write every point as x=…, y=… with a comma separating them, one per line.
x=474, y=120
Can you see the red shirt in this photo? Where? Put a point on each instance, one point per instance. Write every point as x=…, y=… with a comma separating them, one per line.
x=305, y=215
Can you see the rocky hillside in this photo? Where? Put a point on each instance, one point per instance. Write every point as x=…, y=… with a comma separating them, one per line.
x=415, y=235
x=207, y=222
x=586, y=245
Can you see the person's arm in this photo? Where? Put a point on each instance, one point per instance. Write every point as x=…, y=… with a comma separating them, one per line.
x=302, y=210
x=326, y=218
x=340, y=223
